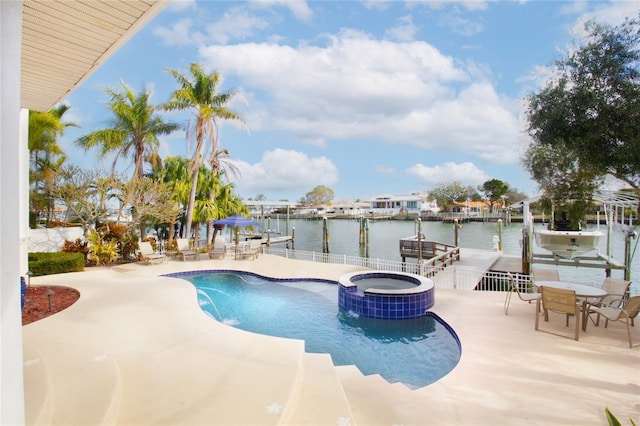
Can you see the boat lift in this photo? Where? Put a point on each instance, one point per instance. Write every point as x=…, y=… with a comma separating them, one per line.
x=614, y=202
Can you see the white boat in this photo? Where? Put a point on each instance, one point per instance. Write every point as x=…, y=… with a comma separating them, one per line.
x=568, y=244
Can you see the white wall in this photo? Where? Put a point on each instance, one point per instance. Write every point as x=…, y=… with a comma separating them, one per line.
x=52, y=239
x=13, y=214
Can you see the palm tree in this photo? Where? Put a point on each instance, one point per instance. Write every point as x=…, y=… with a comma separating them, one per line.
x=227, y=204
x=175, y=174
x=46, y=156
x=134, y=129
x=199, y=93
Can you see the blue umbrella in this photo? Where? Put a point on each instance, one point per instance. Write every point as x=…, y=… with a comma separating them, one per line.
x=236, y=220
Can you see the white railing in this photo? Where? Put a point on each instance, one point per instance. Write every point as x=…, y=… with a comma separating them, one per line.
x=444, y=276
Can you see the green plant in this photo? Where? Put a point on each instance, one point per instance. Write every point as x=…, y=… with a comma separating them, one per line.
x=55, y=263
x=77, y=246
x=100, y=250
x=613, y=421
x=126, y=241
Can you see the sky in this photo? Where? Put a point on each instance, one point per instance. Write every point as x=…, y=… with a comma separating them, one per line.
x=364, y=97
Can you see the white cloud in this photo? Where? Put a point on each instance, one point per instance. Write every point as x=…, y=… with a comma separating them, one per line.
x=463, y=26
x=284, y=170
x=465, y=173
x=236, y=24
x=181, y=5
x=378, y=5
x=356, y=87
x=470, y=5
x=178, y=34
x=609, y=13
x=299, y=8
x=405, y=30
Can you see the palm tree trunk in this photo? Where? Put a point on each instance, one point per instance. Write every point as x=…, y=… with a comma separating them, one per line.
x=210, y=232
x=192, y=202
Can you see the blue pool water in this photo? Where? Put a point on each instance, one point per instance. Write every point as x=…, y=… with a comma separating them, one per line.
x=416, y=352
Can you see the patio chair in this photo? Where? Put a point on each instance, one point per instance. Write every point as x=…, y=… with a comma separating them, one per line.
x=561, y=301
x=540, y=274
x=184, y=250
x=252, y=249
x=514, y=286
x=218, y=250
x=147, y=254
x=616, y=294
x=627, y=313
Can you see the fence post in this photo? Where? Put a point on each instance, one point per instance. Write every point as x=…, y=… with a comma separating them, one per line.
x=455, y=278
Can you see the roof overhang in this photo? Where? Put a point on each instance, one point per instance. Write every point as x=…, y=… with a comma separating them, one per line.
x=63, y=42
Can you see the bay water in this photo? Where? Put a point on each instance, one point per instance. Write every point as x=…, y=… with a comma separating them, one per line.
x=384, y=236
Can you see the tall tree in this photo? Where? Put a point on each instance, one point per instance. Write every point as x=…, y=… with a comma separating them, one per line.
x=319, y=195
x=586, y=122
x=148, y=199
x=448, y=194
x=46, y=156
x=199, y=94
x=86, y=194
x=133, y=131
x=494, y=190
x=176, y=176
x=220, y=166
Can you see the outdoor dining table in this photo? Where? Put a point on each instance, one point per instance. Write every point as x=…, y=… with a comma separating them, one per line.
x=583, y=292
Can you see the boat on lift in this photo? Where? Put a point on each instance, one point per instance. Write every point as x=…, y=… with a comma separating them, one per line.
x=568, y=244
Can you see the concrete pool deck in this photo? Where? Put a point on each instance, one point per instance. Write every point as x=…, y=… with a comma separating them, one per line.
x=137, y=349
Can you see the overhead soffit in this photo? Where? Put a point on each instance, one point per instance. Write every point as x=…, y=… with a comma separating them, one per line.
x=63, y=42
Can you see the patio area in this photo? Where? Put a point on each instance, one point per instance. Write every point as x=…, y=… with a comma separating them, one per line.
x=137, y=349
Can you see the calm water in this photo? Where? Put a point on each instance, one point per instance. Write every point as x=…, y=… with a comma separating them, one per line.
x=384, y=240
x=416, y=352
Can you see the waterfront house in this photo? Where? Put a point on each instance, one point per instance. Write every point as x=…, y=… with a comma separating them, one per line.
x=416, y=203
x=478, y=208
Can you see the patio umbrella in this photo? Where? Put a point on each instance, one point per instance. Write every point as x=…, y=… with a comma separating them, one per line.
x=236, y=221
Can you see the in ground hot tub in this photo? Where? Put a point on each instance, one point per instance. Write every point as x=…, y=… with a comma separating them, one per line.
x=386, y=295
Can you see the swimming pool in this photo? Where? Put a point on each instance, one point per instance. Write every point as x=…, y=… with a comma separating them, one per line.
x=416, y=352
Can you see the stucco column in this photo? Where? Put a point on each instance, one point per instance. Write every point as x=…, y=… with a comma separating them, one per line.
x=12, y=219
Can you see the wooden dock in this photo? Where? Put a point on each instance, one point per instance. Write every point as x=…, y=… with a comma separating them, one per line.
x=472, y=267
x=278, y=240
x=512, y=264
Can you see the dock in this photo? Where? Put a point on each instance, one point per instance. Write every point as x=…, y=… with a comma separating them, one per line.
x=285, y=239
x=473, y=266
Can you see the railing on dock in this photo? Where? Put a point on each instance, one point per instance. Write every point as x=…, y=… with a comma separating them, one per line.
x=456, y=277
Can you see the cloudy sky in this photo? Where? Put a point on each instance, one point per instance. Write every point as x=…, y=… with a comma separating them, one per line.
x=366, y=97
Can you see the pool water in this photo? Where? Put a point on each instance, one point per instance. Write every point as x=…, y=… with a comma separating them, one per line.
x=416, y=352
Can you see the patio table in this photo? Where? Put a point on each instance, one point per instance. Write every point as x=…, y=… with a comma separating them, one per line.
x=583, y=292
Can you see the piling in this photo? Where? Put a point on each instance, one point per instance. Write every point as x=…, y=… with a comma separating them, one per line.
x=325, y=235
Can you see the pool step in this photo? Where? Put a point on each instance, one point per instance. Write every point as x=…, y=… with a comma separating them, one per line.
x=374, y=401
x=65, y=396
x=320, y=398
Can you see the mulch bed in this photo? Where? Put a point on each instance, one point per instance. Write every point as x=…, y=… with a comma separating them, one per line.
x=36, y=304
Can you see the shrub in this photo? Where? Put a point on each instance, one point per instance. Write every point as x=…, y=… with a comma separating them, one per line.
x=121, y=234
x=102, y=251
x=77, y=246
x=55, y=263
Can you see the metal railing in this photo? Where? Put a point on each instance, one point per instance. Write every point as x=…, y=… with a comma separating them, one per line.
x=444, y=275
